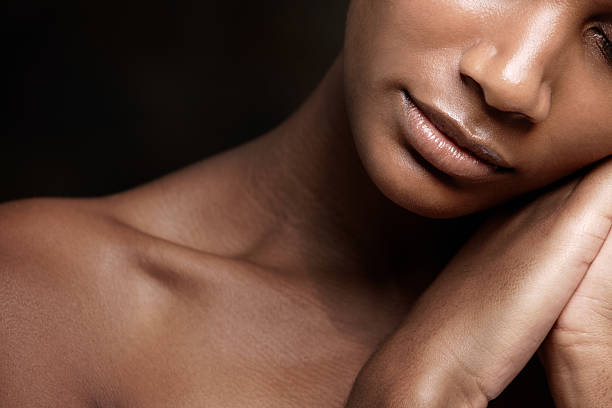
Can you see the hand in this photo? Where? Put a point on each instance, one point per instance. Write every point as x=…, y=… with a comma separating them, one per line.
x=577, y=353
x=489, y=310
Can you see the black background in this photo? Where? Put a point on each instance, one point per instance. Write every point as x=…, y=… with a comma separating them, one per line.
x=103, y=96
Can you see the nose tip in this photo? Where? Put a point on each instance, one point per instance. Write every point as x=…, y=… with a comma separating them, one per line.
x=509, y=84
x=519, y=98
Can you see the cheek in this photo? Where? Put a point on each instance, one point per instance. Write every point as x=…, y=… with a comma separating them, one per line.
x=390, y=41
x=424, y=23
x=392, y=45
x=576, y=143
x=579, y=130
x=416, y=45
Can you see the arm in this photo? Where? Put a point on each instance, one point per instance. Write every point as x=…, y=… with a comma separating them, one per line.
x=487, y=313
x=40, y=358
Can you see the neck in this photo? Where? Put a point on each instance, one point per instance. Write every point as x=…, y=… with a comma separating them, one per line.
x=310, y=179
x=296, y=199
x=326, y=213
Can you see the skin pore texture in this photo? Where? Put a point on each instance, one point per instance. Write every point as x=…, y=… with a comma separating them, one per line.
x=292, y=271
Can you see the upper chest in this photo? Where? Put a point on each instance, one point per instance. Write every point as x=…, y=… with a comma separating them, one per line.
x=236, y=341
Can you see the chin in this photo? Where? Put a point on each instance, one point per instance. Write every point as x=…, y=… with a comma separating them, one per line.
x=428, y=201
x=414, y=186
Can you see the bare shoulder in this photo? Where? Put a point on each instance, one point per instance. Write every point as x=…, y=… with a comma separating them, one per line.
x=45, y=240
x=68, y=276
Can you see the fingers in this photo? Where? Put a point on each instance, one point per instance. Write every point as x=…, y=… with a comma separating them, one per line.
x=577, y=354
x=483, y=318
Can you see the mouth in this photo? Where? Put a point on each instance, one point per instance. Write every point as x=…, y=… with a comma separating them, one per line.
x=446, y=145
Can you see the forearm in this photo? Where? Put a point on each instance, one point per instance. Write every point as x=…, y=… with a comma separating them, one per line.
x=488, y=311
x=378, y=385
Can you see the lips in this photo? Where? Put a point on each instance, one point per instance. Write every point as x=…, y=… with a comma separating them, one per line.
x=446, y=145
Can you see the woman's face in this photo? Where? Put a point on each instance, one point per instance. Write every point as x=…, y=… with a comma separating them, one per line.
x=457, y=105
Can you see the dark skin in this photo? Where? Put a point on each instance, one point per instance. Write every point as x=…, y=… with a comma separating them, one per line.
x=316, y=302
x=269, y=275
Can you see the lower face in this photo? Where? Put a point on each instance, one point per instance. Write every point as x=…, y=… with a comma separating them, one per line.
x=451, y=114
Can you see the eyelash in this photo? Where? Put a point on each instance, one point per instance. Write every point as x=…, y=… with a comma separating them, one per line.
x=604, y=44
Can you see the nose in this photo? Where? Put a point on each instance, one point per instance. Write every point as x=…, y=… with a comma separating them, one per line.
x=510, y=69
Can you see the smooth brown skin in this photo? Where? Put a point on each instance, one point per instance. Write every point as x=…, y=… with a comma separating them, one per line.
x=529, y=77
x=270, y=274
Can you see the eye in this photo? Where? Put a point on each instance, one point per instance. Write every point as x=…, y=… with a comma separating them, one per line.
x=604, y=43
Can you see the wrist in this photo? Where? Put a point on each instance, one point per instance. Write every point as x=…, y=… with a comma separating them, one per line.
x=579, y=376
x=380, y=386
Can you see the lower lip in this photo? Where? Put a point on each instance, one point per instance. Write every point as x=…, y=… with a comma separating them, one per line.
x=437, y=149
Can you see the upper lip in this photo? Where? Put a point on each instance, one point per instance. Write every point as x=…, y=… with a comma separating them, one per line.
x=460, y=135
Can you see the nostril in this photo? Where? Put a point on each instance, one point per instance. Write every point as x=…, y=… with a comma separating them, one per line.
x=503, y=112
x=517, y=116
x=477, y=60
x=525, y=100
x=523, y=95
x=470, y=83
